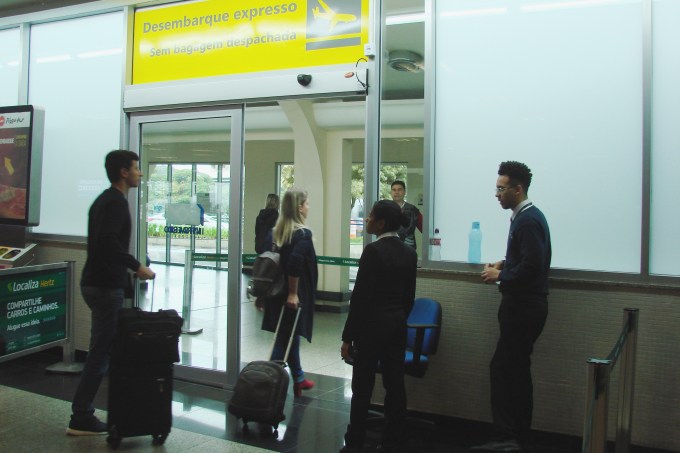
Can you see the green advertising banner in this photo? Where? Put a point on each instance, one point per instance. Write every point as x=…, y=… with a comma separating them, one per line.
x=32, y=309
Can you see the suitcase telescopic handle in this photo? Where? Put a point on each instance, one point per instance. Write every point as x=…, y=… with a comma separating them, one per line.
x=292, y=332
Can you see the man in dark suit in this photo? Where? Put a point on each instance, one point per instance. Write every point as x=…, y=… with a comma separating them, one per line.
x=523, y=283
x=376, y=326
x=415, y=218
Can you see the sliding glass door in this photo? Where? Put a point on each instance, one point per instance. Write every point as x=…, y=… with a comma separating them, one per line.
x=191, y=160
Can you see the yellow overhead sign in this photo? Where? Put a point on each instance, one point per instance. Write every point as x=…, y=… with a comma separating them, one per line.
x=219, y=37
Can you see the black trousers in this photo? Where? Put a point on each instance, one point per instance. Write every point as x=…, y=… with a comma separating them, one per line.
x=521, y=319
x=386, y=348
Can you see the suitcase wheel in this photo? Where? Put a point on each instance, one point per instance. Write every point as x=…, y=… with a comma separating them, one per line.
x=159, y=439
x=113, y=439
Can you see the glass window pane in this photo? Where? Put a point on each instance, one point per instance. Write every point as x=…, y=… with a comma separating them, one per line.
x=402, y=111
x=557, y=85
x=76, y=75
x=286, y=177
x=279, y=154
x=183, y=162
x=9, y=66
x=222, y=192
x=665, y=221
x=158, y=193
x=206, y=198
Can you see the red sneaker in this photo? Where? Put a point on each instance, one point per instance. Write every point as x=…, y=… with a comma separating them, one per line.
x=298, y=387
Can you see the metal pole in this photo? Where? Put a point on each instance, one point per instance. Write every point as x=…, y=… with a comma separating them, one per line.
x=595, y=423
x=69, y=365
x=627, y=381
x=186, y=298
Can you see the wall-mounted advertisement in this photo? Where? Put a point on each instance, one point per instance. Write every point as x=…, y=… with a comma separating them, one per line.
x=214, y=37
x=32, y=309
x=21, y=140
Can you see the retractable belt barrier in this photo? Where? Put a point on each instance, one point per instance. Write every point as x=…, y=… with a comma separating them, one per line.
x=248, y=258
x=597, y=394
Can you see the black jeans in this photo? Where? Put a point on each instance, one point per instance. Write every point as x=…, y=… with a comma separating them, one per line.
x=104, y=304
x=521, y=320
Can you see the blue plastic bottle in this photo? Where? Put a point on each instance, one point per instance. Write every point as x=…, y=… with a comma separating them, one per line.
x=475, y=244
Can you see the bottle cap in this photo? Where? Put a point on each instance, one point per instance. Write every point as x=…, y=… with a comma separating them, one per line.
x=475, y=225
x=436, y=231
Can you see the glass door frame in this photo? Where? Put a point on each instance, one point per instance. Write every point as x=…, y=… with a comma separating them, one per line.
x=225, y=379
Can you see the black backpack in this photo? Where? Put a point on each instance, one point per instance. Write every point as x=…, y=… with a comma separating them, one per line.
x=267, y=280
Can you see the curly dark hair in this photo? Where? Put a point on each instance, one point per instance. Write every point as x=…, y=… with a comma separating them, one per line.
x=519, y=173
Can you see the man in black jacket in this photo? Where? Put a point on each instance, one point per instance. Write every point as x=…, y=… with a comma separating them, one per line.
x=415, y=218
x=375, y=329
x=104, y=281
x=523, y=283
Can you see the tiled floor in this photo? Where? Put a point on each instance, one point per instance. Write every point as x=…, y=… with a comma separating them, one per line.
x=315, y=423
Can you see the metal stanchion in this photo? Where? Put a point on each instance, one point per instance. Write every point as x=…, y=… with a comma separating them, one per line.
x=186, y=299
x=597, y=401
x=68, y=365
x=597, y=395
x=627, y=381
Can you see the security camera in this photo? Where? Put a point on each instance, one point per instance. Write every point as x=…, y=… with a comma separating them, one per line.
x=304, y=79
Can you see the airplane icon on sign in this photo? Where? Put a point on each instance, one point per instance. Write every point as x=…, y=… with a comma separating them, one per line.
x=331, y=15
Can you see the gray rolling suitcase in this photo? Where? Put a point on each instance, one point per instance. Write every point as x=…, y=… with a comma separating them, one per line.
x=262, y=386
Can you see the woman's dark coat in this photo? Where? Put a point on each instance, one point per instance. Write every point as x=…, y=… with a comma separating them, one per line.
x=298, y=259
x=264, y=223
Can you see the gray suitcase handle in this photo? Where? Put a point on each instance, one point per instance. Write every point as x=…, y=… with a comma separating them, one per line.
x=292, y=332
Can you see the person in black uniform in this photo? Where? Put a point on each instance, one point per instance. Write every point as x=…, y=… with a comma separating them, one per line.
x=375, y=331
x=265, y=221
x=523, y=278
x=415, y=218
x=104, y=281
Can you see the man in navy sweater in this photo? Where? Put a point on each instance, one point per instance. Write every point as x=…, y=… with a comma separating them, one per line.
x=104, y=281
x=523, y=283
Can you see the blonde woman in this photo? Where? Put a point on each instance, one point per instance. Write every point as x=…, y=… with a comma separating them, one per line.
x=298, y=260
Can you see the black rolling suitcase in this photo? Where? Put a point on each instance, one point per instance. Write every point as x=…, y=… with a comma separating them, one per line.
x=262, y=386
x=141, y=374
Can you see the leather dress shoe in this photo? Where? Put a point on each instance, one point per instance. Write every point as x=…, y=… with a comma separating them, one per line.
x=501, y=446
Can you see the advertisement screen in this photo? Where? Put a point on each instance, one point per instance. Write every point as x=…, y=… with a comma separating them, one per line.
x=20, y=164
